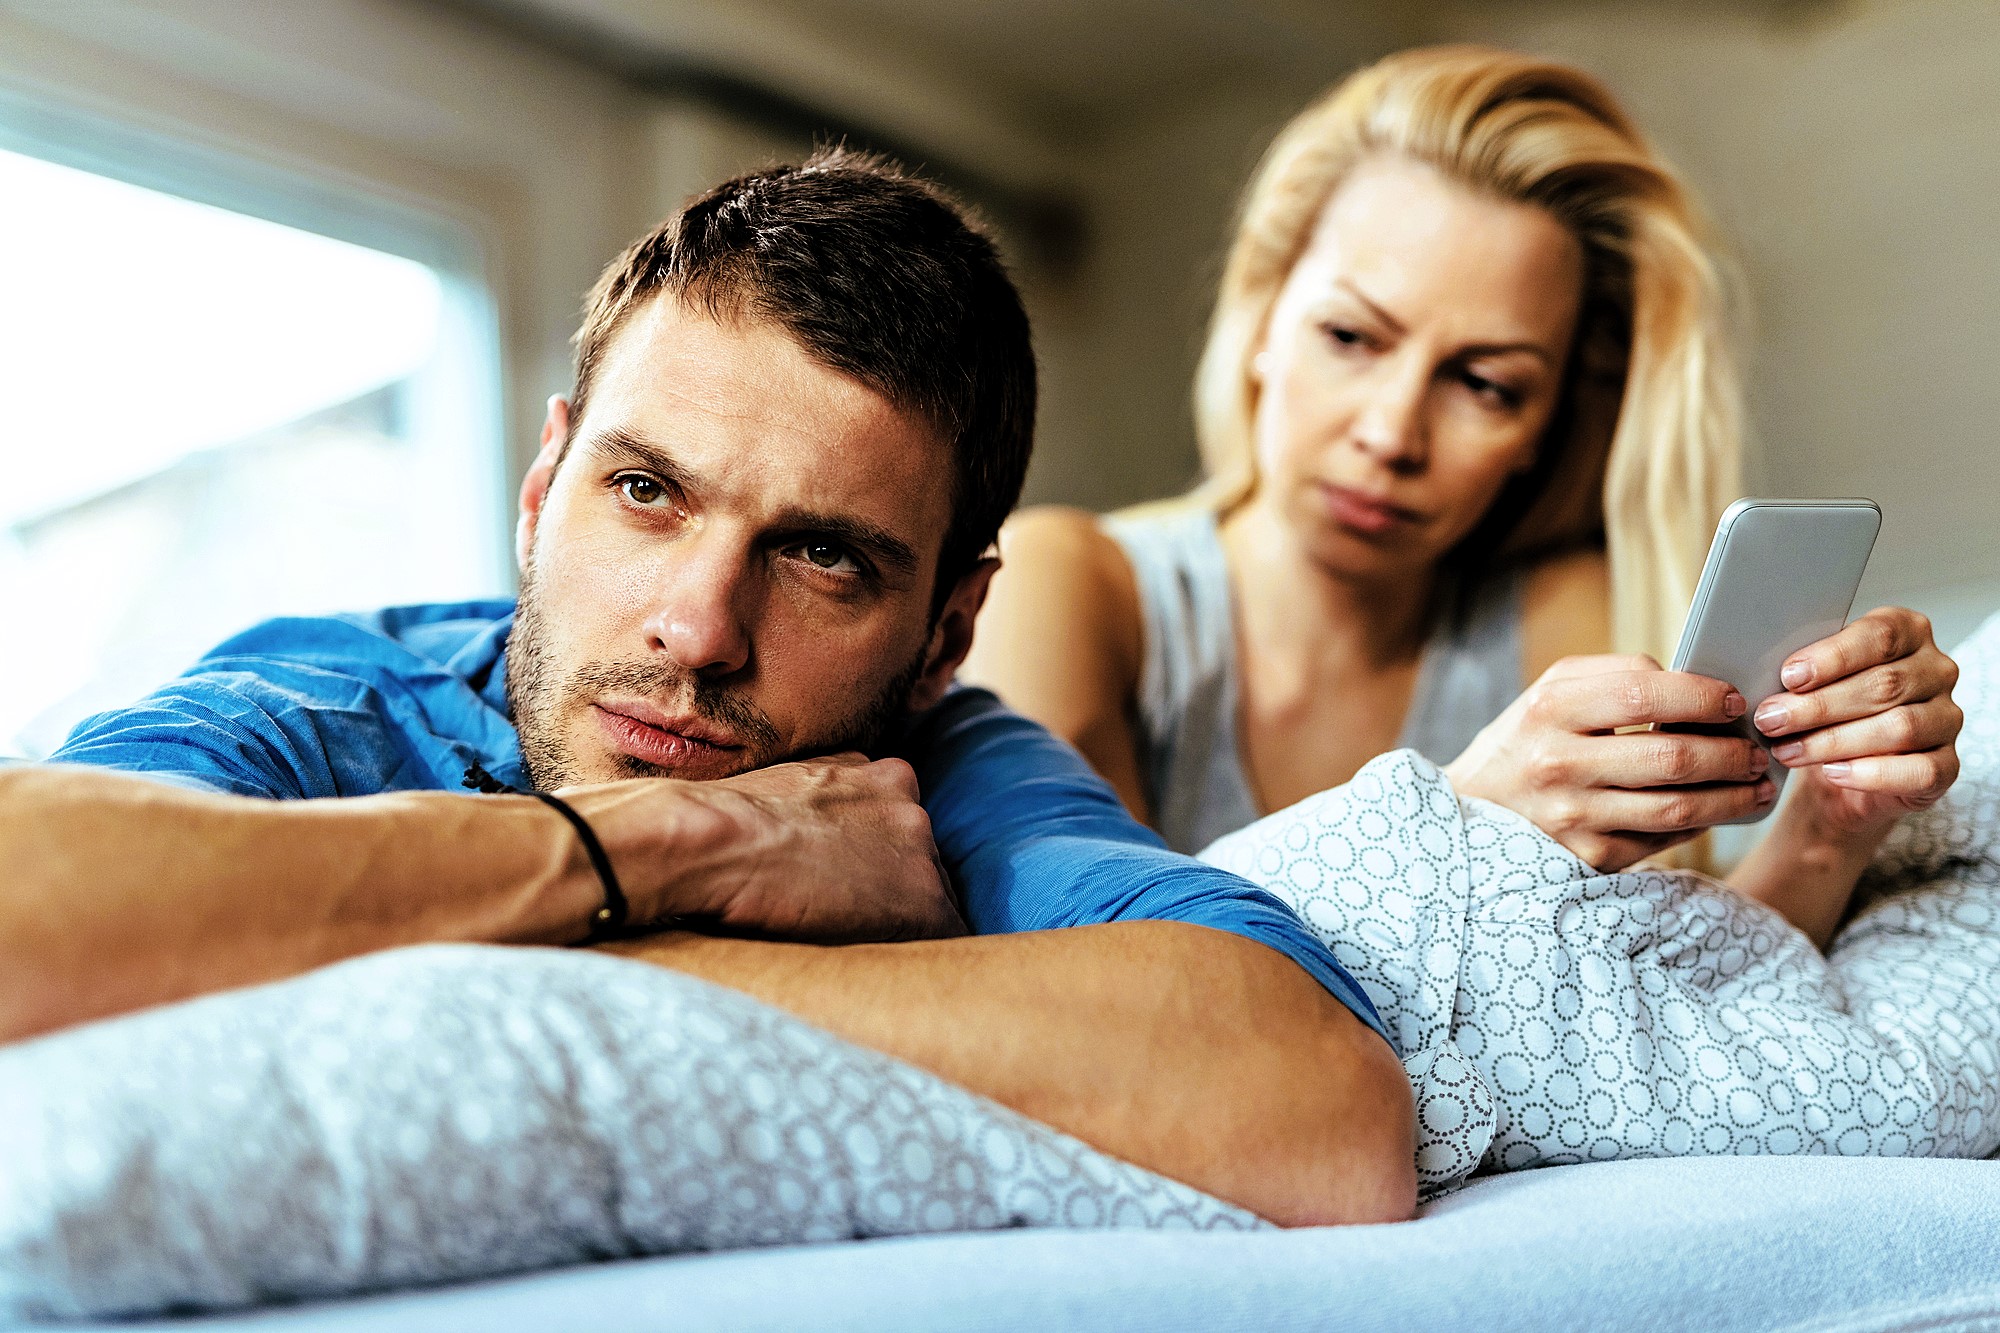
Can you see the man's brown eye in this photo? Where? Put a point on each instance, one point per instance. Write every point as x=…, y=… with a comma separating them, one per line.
x=641, y=490
x=824, y=555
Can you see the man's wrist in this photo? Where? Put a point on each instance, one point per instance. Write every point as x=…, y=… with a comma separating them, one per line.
x=661, y=835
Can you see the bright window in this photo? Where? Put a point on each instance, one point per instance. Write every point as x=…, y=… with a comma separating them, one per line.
x=209, y=419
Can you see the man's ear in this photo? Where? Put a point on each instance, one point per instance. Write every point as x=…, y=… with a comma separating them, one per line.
x=951, y=639
x=535, y=486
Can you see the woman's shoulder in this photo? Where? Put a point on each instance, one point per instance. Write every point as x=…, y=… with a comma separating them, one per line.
x=1062, y=580
x=1565, y=608
x=1067, y=553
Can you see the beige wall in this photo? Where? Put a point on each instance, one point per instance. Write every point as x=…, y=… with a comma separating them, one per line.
x=1849, y=153
x=1852, y=156
x=1854, y=160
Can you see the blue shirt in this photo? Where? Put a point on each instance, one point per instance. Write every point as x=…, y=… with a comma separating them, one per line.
x=405, y=699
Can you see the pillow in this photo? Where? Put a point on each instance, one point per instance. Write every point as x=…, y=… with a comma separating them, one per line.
x=456, y=1111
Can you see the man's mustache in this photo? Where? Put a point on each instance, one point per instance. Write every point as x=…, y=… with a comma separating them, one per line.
x=670, y=687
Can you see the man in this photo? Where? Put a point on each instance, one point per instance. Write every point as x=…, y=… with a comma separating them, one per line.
x=752, y=547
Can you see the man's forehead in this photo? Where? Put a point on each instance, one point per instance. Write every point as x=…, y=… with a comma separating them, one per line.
x=738, y=402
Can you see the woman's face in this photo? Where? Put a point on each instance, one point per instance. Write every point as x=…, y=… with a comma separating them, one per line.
x=1411, y=363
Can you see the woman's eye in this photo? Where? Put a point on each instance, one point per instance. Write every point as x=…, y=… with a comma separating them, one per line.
x=1491, y=391
x=1345, y=336
x=641, y=489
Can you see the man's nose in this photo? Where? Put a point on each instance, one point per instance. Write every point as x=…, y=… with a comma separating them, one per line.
x=698, y=618
x=1391, y=426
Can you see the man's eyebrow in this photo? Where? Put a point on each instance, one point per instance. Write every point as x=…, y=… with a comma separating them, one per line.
x=613, y=445
x=1477, y=349
x=878, y=544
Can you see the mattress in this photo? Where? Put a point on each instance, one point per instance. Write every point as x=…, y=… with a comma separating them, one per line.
x=1707, y=1243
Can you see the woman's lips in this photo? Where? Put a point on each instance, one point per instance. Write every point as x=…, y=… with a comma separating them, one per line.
x=1363, y=513
x=660, y=743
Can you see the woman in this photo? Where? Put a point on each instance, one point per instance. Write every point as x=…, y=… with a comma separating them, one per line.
x=1468, y=413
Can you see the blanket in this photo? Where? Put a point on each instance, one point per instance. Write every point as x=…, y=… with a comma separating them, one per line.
x=1549, y=1013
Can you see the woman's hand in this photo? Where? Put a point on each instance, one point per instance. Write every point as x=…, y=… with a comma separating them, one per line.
x=1555, y=757
x=1868, y=714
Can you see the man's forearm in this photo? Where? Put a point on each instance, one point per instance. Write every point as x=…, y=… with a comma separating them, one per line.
x=1190, y=1051
x=117, y=892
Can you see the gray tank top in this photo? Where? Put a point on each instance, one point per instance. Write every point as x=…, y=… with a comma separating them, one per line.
x=1188, y=751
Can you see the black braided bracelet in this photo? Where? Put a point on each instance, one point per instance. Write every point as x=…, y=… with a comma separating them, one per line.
x=609, y=918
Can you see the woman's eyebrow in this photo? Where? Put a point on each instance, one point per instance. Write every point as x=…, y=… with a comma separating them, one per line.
x=1346, y=284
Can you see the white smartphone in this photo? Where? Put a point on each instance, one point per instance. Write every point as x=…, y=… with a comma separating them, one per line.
x=1781, y=574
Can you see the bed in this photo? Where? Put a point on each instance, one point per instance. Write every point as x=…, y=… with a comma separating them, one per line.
x=1714, y=1243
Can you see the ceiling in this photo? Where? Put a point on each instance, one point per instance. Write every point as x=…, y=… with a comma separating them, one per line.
x=1002, y=94
x=1014, y=85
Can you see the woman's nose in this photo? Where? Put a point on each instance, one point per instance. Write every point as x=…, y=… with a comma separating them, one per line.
x=698, y=619
x=1390, y=426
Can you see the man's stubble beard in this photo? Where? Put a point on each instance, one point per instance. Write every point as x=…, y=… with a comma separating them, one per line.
x=539, y=701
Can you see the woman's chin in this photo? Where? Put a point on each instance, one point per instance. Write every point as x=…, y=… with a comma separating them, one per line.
x=1362, y=557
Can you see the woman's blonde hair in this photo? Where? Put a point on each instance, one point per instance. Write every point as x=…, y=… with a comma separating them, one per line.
x=1645, y=448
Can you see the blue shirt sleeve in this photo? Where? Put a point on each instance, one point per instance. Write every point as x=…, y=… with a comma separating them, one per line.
x=1036, y=840
x=249, y=726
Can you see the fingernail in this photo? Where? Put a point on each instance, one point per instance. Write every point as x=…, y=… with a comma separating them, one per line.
x=1767, y=792
x=1789, y=752
x=1796, y=675
x=1772, y=716
x=1760, y=760
x=1838, y=772
x=1733, y=705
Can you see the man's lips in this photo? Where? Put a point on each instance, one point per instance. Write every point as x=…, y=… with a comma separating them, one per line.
x=1368, y=514
x=645, y=733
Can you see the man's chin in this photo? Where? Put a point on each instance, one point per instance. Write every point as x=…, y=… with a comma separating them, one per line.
x=695, y=768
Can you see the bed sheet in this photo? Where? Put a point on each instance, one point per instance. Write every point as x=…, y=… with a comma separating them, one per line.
x=1853, y=1245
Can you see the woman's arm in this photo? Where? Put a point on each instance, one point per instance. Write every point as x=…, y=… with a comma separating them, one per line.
x=1060, y=639
x=1868, y=716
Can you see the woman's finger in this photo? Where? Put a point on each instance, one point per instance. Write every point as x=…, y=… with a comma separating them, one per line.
x=1617, y=699
x=1905, y=730
x=1916, y=778
x=1883, y=635
x=1924, y=675
x=1655, y=759
x=1599, y=664
x=1662, y=810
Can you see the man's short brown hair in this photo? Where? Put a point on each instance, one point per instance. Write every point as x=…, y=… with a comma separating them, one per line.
x=878, y=275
